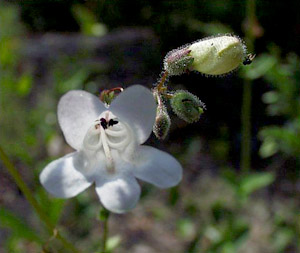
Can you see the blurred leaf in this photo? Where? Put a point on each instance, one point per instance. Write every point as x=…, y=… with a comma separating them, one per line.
x=213, y=234
x=220, y=211
x=282, y=238
x=254, y=182
x=17, y=226
x=88, y=22
x=259, y=67
x=52, y=206
x=285, y=139
x=268, y=148
x=186, y=228
x=24, y=84
x=103, y=214
x=209, y=29
x=174, y=195
x=270, y=97
x=231, y=177
x=113, y=242
x=72, y=81
x=220, y=149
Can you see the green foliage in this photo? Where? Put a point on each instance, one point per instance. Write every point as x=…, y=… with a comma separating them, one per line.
x=17, y=227
x=254, y=182
x=103, y=214
x=52, y=206
x=245, y=185
x=88, y=22
x=113, y=243
x=283, y=101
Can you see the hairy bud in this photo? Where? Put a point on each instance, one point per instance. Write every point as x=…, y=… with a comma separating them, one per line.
x=162, y=123
x=107, y=96
x=178, y=61
x=187, y=106
x=217, y=55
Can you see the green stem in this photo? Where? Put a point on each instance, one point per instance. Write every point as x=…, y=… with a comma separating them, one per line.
x=162, y=81
x=32, y=201
x=104, y=217
x=247, y=93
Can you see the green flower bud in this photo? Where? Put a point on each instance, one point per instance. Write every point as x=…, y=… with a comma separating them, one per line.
x=217, y=55
x=178, y=61
x=162, y=123
x=187, y=106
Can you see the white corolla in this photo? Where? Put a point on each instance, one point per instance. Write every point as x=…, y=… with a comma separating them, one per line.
x=107, y=140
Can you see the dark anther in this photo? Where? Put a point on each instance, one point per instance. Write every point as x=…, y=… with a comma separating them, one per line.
x=103, y=123
x=112, y=122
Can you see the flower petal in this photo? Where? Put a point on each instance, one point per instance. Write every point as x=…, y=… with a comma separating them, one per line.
x=118, y=193
x=136, y=106
x=62, y=179
x=77, y=110
x=157, y=167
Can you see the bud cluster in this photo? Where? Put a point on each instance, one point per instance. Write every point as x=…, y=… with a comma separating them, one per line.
x=212, y=56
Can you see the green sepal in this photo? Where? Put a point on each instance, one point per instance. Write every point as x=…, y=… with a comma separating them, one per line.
x=187, y=106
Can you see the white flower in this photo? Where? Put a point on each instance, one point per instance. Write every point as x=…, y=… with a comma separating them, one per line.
x=108, y=148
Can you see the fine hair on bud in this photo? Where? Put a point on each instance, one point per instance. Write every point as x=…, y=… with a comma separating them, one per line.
x=162, y=123
x=219, y=55
x=178, y=61
x=187, y=106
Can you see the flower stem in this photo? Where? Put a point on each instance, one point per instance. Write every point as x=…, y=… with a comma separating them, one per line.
x=162, y=81
x=104, y=216
x=247, y=93
x=32, y=201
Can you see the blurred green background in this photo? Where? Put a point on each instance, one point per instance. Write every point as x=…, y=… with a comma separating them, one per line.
x=50, y=47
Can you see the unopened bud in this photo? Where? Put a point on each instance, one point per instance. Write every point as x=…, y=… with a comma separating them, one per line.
x=217, y=55
x=107, y=96
x=187, y=106
x=178, y=61
x=162, y=123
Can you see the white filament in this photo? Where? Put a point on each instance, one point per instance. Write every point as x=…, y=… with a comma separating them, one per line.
x=109, y=159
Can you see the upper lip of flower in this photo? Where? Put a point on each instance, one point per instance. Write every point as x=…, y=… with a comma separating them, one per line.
x=109, y=151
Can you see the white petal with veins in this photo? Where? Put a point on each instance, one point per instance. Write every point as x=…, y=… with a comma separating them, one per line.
x=157, y=167
x=62, y=178
x=77, y=110
x=136, y=106
x=118, y=193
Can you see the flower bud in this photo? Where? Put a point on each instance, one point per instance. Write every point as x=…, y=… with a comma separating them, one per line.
x=217, y=55
x=178, y=61
x=107, y=96
x=162, y=123
x=187, y=106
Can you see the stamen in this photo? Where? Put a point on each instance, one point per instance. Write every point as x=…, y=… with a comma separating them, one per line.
x=109, y=160
x=103, y=123
x=107, y=135
x=112, y=122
